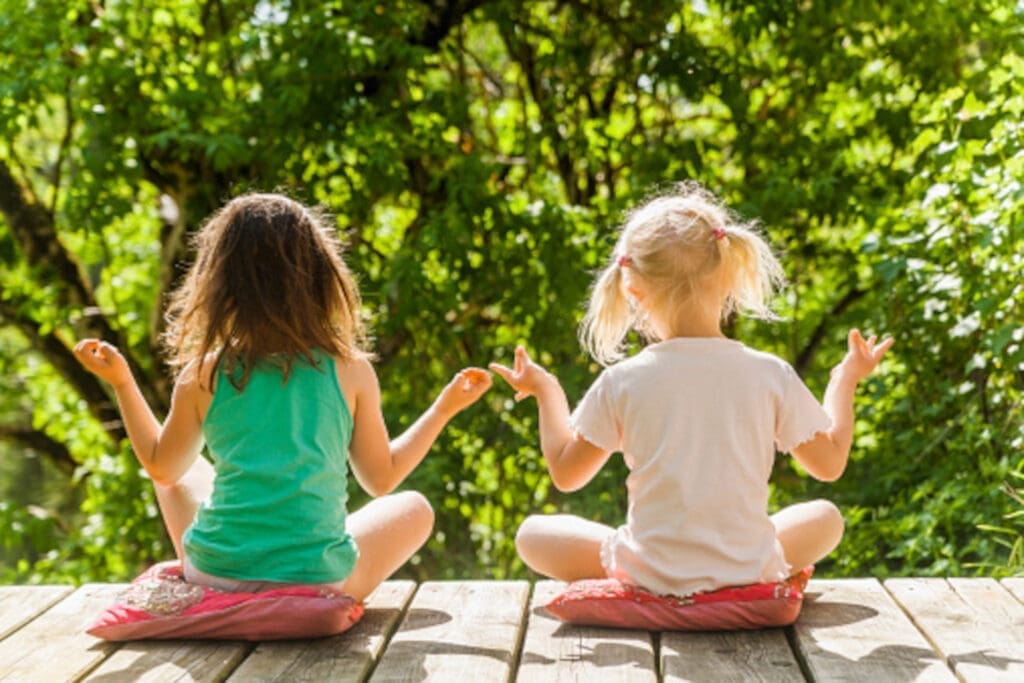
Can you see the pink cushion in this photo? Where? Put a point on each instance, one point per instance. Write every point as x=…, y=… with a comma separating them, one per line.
x=607, y=602
x=160, y=604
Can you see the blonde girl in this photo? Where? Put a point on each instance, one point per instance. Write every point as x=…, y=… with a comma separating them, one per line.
x=697, y=416
x=274, y=377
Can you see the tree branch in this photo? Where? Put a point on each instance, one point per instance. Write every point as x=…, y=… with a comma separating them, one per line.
x=522, y=51
x=443, y=17
x=807, y=353
x=40, y=442
x=88, y=386
x=58, y=166
x=34, y=230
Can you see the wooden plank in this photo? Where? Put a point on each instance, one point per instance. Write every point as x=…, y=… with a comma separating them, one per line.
x=975, y=623
x=171, y=660
x=729, y=656
x=852, y=630
x=1015, y=586
x=21, y=604
x=54, y=646
x=346, y=657
x=458, y=631
x=555, y=652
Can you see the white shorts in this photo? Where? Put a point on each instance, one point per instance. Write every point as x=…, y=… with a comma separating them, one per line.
x=196, y=576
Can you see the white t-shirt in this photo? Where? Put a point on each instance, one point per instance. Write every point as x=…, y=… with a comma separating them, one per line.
x=698, y=421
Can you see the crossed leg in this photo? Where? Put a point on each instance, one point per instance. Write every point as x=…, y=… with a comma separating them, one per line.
x=387, y=530
x=180, y=501
x=568, y=548
x=564, y=547
x=808, y=531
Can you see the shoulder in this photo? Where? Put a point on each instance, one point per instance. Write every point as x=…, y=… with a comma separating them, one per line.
x=198, y=377
x=777, y=375
x=766, y=361
x=614, y=379
x=356, y=373
x=639, y=367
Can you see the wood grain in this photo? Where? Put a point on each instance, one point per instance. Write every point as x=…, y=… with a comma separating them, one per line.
x=1015, y=586
x=763, y=656
x=976, y=624
x=54, y=646
x=556, y=652
x=346, y=657
x=852, y=630
x=20, y=604
x=155, y=661
x=458, y=631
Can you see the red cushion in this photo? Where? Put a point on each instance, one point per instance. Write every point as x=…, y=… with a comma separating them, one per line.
x=161, y=604
x=607, y=602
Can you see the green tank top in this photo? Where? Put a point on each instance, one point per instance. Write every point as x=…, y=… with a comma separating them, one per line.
x=280, y=453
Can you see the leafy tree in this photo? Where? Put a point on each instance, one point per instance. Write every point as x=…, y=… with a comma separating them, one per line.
x=477, y=155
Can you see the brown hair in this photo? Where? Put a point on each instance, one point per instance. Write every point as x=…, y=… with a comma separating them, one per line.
x=689, y=248
x=268, y=283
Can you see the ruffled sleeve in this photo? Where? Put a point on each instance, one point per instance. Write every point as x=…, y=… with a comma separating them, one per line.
x=800, y=416
x=596, y=418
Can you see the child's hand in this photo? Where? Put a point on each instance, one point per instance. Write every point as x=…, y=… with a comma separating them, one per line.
x=862, y=357
x=526, y=377
x=104, y=361
x=464, y=390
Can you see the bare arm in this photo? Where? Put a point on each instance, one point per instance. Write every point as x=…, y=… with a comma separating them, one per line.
x=379, y=463
x=571, y=460
x=825, y=456
x=165, y=451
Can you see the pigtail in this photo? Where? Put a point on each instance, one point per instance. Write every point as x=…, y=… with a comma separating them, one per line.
x=753, y=270
x=609, y=317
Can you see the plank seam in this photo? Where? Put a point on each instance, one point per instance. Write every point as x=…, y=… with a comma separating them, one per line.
x=250, y=647
x=524, y=625
x=659, y=674
x=371, y=667
x=14, y=628
x=798, y=654
x=924, y=634
x=1002, y=584
x=81, y=676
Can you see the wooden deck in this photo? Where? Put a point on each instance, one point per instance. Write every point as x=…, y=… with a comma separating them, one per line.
x=850, y=630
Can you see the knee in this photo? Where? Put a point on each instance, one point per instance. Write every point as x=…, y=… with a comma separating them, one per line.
x=405, y=512
x=831, y=519
x=418, y=510
x=527, y=535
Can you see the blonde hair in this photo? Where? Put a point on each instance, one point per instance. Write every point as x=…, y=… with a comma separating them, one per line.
x=268, y=283
x=689, y=250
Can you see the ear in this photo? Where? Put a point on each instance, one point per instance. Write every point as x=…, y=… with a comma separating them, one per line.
x=633, y=286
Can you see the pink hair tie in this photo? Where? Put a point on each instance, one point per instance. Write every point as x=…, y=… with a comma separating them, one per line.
x=719, y=232
x=624, y=261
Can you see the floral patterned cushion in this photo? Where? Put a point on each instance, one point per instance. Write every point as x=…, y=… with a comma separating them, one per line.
x=161, y=604
x=607, y=602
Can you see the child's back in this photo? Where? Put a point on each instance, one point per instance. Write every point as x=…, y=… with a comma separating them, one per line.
x=280, y=452
x=696, y=420
x=697, y=416
x=266, y=332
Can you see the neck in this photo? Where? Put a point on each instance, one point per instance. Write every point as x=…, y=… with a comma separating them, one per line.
x=692, y=321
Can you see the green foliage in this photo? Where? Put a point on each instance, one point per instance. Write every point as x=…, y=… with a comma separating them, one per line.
x=477, y=157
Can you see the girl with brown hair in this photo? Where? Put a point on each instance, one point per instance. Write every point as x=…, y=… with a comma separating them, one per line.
x=274, y=376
